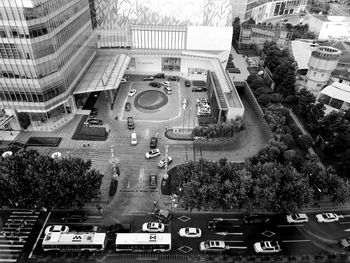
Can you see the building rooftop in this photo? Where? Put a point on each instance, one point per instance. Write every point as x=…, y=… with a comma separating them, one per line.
x=301, y=51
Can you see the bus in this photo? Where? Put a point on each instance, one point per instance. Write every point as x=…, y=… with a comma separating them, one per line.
x=143, y=242
x=74, y=242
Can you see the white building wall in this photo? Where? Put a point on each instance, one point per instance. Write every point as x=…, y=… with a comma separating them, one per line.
x=209, y=38
x=194, y=63
x=148, y=64
x=335, y=31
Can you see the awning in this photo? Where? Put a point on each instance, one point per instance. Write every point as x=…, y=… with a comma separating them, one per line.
x=105, y=73
x=5, y=119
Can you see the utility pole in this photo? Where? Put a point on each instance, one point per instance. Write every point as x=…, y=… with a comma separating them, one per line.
x=166, y=163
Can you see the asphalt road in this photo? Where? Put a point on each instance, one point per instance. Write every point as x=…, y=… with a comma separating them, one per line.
x=310, y=238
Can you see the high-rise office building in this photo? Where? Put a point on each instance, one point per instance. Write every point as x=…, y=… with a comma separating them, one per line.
x=45, y=47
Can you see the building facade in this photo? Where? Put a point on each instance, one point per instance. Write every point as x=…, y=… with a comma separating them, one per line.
x=45, y=47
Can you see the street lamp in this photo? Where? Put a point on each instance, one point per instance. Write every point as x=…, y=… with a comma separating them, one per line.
x=166, y=176
x=114, y=161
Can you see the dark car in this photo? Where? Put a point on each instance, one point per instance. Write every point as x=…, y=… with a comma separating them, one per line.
x=162, y=214
x=93, y=122
x=160, y=76
x=199, y=89
x=17, y=145
x=148, y=78
x=119, y=228
x=93, y=113
x=131, y=124
x=153, y=181
x=187, y=83
x=75, y=216
x=173, y=78
x=219, y=225
x=255, y=219
x=153, y=143
x=155, y=84
x=127, y=106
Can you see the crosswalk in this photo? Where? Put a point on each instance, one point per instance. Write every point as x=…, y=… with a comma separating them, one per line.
x=14, y=234
x=92, y=155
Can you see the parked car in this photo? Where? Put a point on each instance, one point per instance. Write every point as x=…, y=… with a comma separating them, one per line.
x=345, y=243
x=219, y=225
x=119, y=228
x=123, y=80
x=93, y=113
x=161, y=163
x=132, y=92
x=152, y=153
x=297, y=218
x=184, y=103
x=212, y=246
x=168, y=90
x=327, y=217
x=267, y=247
x=162, y=214
x=57, y=228
x=131, y=124
x=127, y=106
x=187, y=83
x=166, y=83
x=190, y=232
x=148, y=78
x=173, y=78
x=153, y=143
x=154, y=84
x=199, y=89
x=153, y=181
x=153, y=227
x=202, y=100
x=255, y=219
x=75, y=216
x=93, y=122
x=160, y=76
x=133, y=138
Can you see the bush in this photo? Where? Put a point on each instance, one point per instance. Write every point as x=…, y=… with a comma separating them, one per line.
x=304, y=142
x=24, y=120
x=114, y=186
x=296, y=132
x=264, y=99
x=287, y=139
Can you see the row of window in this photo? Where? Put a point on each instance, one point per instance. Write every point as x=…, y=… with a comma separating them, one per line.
x=144, y=246
x=73, y=246
x=333, y=102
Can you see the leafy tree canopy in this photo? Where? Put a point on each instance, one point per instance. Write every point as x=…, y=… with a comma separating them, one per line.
x=28, y=180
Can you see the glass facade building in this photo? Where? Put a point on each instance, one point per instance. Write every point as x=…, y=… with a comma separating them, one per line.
x=45, y=48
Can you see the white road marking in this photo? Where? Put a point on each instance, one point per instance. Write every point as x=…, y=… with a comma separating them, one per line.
x=229, y=247
x=234, y=241
x=296, y=241
x=228, y=219
x=344, y=215
x=290, y=225
x=227, y=234
x=142, y=171
x=41, y=231
x=147, y=133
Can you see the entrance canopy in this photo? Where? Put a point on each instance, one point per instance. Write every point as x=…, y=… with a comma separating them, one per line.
x=104, y=73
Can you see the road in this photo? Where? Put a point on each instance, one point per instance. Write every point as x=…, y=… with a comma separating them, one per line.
x=338, y=9
x=310, y=238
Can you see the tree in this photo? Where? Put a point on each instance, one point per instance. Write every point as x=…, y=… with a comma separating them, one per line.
x=28, y=179
x=236, y=26
x=24, y=119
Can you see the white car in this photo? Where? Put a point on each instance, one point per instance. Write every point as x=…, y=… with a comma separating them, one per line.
x=297, y=218
x=327, y=218
x=132, y=92
x=190, y=232
x=212, y=246
x=133, y=138
x=152, y=153
x=161, y=163
x=153, y=227
x=166, y=83
x=57, y=228
x=184, y=103
x=123, y=80
x=267, y=247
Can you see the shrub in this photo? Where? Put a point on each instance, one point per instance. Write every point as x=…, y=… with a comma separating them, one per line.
x=264, y=99
x=296, y=132
x=287, y=139
x=113, y=187
x=304, y=141
x=251, y=77
x=24, y=120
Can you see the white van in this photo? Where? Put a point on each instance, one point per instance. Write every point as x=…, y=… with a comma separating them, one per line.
x=168, y=90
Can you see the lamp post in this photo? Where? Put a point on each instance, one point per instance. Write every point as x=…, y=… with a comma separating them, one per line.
x=166, y=176
x=114, y=161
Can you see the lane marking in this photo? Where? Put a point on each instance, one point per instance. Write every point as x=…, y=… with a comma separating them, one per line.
x=234, y=241
x=142, y=171
x=147, y=133
x=295, y=241
x=290, y=225
x=128, y=186
x=229, y=247
x=41, y=231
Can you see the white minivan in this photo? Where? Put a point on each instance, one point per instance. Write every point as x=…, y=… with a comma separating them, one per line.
x=133, y=138
x=168, y=90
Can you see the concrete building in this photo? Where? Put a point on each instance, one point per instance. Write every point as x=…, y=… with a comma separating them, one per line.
x=336, y=28
x=336, y=97
x=323, y=61
x=256, y=35
x=45, y=47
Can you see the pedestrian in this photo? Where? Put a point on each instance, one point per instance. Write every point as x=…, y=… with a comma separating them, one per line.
x=154, y=203
x=20, y=239
x=84, y=145
x=116, y=118
x=100, y=210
